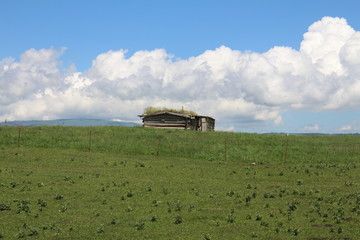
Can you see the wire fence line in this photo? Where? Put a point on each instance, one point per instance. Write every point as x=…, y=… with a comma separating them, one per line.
x=212, y=146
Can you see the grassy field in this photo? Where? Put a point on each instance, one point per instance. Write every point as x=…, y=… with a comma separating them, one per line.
x=137, y=183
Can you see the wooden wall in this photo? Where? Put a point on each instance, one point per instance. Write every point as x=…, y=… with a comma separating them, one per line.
x=175, y=121
x=166, y=121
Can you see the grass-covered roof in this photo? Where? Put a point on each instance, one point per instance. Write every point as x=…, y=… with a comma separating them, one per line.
x=153, y=110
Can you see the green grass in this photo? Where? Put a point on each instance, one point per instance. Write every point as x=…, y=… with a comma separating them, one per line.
x=240, y=147
x=138, y=183
x=152, y=110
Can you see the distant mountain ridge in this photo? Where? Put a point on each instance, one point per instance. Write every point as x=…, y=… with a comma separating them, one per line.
x=77, y=122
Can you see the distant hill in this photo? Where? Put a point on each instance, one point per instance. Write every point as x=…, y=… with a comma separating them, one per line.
x=78, y=122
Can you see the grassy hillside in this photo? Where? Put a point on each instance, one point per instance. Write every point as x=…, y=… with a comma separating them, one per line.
x=138, y=183
x=239, y=147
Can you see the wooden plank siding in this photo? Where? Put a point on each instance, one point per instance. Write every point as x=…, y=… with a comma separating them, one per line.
x=166, y=120
x=170, y=120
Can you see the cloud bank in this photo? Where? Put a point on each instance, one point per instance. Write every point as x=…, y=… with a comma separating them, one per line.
x=238, y=88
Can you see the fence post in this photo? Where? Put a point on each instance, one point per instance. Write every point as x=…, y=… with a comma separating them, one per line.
x=90, y=142
x=286, y=148
x=225, y=152
x=158, y=146
x=18, y=142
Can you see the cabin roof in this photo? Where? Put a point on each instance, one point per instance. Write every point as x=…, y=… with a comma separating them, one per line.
x=173, y=113
x=166, y=112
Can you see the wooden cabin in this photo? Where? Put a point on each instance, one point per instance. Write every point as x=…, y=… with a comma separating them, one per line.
x=173, y=120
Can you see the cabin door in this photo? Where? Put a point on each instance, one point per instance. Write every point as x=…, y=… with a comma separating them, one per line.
x=203, y=124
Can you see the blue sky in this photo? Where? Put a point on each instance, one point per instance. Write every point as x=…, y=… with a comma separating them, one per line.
x=227, y=59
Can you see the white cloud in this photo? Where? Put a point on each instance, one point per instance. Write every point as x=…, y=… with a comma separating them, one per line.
x=237, y=88
x=352, y=127
x=311, y=128
x=345, y=128
x=228, y=129
x=323, y=43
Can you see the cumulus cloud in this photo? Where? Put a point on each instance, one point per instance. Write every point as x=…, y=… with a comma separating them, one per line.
x=237, y=88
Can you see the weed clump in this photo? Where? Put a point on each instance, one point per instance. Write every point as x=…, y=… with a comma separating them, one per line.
x=230, y=218
x=178, y=219
x=59, y=196
x=140, y=225
x=5, y=207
